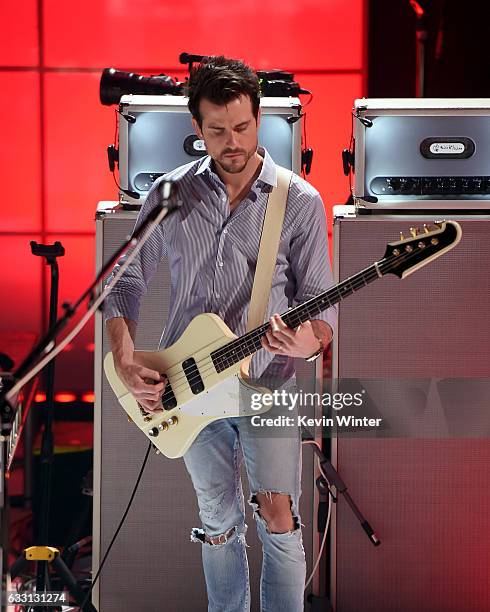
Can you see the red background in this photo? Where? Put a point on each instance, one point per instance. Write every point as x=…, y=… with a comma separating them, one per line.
x=53, y=165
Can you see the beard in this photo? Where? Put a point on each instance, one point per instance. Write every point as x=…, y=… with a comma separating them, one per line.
x=234, y=165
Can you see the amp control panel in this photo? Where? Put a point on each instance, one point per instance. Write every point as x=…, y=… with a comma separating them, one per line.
x=440, y=186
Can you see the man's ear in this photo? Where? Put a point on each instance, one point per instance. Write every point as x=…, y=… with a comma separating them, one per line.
x=197, y=129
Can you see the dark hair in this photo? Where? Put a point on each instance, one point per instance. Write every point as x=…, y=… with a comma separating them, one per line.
x=221, y=80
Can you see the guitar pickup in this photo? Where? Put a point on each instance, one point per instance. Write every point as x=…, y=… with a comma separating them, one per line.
x=169, y=400
x=193, y=376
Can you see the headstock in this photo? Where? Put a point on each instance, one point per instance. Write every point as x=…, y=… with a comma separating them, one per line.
x=423, y=245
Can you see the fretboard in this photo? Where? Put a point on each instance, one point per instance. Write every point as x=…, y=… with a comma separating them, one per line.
x=246, y=345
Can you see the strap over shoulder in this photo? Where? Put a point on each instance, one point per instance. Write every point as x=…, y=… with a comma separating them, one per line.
x=269, y=245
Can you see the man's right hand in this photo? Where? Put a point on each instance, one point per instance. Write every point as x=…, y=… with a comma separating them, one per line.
x=146, y=385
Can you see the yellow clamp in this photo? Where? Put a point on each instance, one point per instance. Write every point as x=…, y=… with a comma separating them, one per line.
x=41, y=553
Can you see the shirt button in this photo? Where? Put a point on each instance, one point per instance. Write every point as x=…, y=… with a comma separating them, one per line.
x=220, y=264
x=217, y=295
x=225, y=231
x=224, y=199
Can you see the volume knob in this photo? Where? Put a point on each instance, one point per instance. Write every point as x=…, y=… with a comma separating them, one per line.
x=154, y=431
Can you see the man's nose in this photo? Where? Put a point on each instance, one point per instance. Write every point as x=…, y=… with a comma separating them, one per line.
x=231, y=139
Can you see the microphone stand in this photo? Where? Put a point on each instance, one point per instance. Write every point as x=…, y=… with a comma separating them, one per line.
x=45, y=346
x=329, y=477
x=29, y=367
x=421, y=36
x=50, y=253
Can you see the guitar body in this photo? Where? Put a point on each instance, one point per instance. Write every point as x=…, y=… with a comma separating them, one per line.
x=174, y=429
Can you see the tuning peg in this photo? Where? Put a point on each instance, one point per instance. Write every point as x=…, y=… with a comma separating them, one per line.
x=413, y=231
x=402, y=237
x=426, y=228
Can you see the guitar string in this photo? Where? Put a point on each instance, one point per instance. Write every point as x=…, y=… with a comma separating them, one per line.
x=207, y=364
x=368, y=272
x=243, y=342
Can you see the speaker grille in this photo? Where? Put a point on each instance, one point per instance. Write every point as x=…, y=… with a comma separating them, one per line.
x=153, y=565
x=428, y=499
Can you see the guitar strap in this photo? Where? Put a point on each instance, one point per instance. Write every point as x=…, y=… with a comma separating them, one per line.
x=266, y=258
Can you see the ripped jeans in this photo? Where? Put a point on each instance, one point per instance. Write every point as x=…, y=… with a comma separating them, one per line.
x=273, y=464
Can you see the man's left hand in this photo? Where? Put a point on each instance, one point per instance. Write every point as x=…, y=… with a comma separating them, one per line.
x=282, y=340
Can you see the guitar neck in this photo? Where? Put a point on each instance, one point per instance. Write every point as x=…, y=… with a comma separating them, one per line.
x=246, y=345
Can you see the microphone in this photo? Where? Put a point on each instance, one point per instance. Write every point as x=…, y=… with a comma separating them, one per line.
x=167, y=201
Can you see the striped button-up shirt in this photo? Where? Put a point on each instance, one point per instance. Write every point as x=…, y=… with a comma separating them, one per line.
x=212, y=255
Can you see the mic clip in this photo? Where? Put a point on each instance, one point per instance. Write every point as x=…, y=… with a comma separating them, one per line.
x=112, y=157
x=306, y=160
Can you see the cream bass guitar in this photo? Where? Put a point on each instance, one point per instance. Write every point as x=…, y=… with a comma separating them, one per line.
x=203, y=366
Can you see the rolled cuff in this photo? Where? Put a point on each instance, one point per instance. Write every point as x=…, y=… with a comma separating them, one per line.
x=121, y=305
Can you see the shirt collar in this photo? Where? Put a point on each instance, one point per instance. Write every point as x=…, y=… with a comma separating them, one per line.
x=268, y=173
x=204, y=165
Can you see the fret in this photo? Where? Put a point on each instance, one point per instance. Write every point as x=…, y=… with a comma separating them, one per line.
x=248, y=344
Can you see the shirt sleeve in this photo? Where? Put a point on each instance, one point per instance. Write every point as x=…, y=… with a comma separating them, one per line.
x=310, y=259
x=125, y=297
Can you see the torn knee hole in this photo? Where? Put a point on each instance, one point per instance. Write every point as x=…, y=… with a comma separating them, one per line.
x=275, y=510
x=199, y=535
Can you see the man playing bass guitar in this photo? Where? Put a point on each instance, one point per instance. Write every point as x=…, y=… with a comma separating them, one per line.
x=211, y=244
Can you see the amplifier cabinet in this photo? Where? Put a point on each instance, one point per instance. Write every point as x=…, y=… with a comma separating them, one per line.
x=422, y=153
x=427, y=495
x=159, y=136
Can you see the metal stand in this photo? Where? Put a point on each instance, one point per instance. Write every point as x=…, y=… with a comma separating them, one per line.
x=74, y=540
x=421, y=36
x=48, y=554
x=41, y=553
x=4, y=516
x=329, y=477
x=333, y=479
x=42, y=351
x=50, y=252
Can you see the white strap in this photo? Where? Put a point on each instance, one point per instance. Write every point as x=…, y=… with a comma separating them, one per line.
x=267, y=256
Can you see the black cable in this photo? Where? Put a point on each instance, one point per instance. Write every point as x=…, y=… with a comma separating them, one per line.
x=129, y=192
x=116, y=136
x=351, y=143
x=114, y=161
x=118, y=527
x=303, y=170
x=116, y=127
x=304, y=130
x=115, y=180
x=309, y=99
